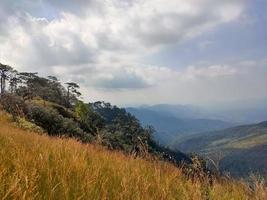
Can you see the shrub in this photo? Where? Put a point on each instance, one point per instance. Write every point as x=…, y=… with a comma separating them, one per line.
x=47, y=118
x=89, y=120
x=54, y=123
x=13, y=104
x=29, y=126
x=68, y=126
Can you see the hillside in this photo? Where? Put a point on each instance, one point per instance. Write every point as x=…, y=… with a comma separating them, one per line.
x=34, y=166
x=241, y=150
x=57, y=109
x=169, y=123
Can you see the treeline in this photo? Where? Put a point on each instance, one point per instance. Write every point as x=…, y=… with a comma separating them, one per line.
x=29, y=85
x=47, y=105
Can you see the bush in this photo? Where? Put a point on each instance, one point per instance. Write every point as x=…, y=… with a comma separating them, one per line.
x=47, y=118
x=68, y=126
x=14, y=105
x=54, y=123
x=89, y=120
x=29, y=126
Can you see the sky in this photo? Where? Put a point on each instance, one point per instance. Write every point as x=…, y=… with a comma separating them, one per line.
x=134, y=52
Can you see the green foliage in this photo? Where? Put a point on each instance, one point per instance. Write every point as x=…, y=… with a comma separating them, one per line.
x=29, y=126
x=90, y=121
x=54, y=123
x=82, y=111
x=47, y=89
x=123, y=131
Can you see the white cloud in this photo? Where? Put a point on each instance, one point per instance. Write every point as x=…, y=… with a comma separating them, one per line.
x=115, y=77
x=124, y=84
x=100, y=44
x=104, y=29
x=212, y=84
x=212, y=71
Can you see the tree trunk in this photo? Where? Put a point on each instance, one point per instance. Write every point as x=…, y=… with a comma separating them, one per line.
x=1, y=85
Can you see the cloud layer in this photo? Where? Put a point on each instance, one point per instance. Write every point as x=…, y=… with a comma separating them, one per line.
x=101, y=44
x=103, y=31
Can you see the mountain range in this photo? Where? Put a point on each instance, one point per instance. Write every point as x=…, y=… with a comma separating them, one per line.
x=240, y=150
x=216, y=134
x=172, y=122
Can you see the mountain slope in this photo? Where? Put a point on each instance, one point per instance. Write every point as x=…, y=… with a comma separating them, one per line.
x=241, y=149
x=179, y=111
x=168, y=127
x=34, y=166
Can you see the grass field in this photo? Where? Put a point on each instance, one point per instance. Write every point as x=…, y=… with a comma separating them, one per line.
x=34, y=166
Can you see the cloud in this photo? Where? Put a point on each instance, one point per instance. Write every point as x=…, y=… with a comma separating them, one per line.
x=101, y=44
x=212, y=84
x=212, y=71
x=200, y=84
x=115, y=77
x=54, y=32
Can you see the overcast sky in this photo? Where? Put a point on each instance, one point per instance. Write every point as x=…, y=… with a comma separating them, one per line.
x=131, y=52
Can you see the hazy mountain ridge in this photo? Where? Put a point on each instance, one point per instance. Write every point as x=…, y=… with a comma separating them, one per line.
x=172, y=123
x=238, y=112
x=240, y=150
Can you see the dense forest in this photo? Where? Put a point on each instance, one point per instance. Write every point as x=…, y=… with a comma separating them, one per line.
x=46, y=105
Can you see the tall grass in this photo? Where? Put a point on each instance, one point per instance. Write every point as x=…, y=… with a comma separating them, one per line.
x=36, y=166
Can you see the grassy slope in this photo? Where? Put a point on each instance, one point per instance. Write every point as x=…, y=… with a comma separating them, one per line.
x=242, y=149
x=36, y=166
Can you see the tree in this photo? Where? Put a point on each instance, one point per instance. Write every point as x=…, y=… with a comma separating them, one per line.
x=90, y=121
x=27, y=79
x=4, y=75
x=55, y=91
x=54, y=123
x=49, y=89
x=13, y=81
x=81, y=111
x=52, y=78
x=72, y=92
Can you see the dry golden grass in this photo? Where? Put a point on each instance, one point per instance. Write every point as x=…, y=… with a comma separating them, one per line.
x=36, y=166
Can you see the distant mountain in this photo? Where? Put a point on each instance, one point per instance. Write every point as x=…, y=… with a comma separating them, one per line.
x=240, y=150
x=172, y=123
x=244, y=112
x=243, y=115
x=237, y=112
x=179, y=111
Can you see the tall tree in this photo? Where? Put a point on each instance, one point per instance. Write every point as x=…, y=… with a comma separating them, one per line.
x=4, y=75
x=28, y=84
x=72, y=91
x=57, y=92
x=53, y=78
x=14, y=80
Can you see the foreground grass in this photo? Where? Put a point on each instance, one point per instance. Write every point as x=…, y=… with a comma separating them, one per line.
x=35, y=166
